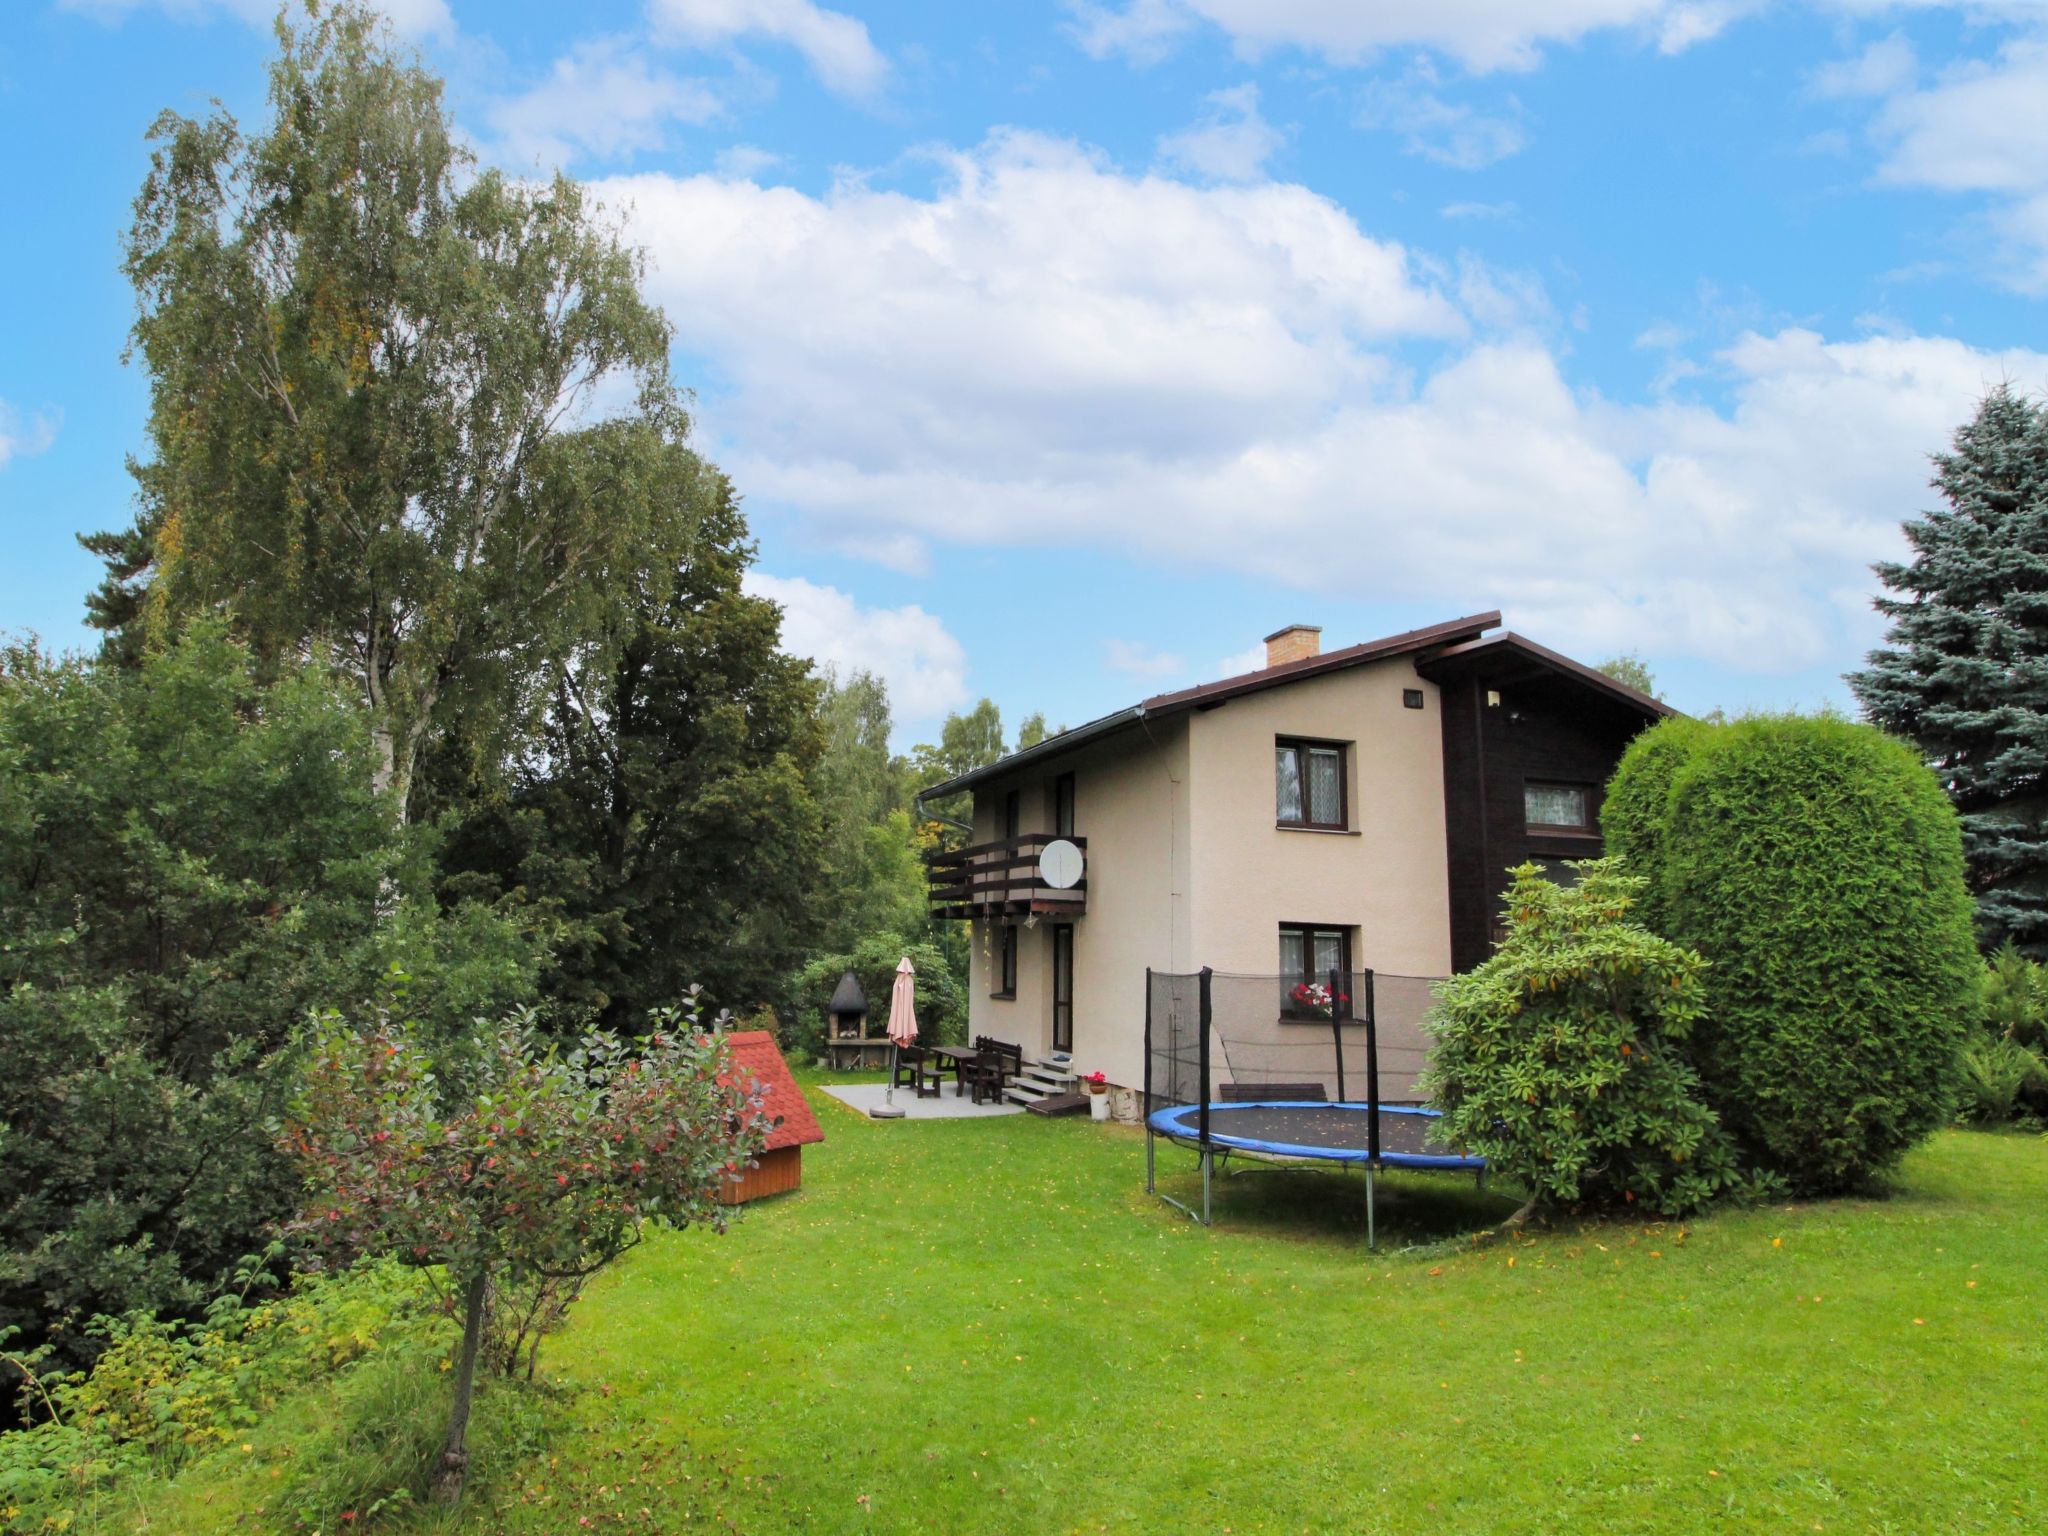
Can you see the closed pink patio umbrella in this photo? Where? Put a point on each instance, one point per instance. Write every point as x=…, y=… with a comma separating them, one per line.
x=902, y=1032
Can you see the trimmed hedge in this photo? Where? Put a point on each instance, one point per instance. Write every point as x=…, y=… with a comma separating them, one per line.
x=1818, y=866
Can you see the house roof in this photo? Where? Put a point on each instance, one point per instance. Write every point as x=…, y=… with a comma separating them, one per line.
x=1506, y=652
x=1209, y=695
x=754, y=1052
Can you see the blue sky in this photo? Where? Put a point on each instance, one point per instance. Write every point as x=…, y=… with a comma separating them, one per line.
x=1062, y=351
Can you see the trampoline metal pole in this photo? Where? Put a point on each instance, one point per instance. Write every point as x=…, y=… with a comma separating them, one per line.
x=1337, y=1013
x=1372, y=1071
x=1146, y=1105
x=1372, y=1236
x=1208, y=1160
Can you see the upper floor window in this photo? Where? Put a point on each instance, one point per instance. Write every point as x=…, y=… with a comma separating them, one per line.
x=1309, y=784
x=1013, y=814
x=1063, y=806
x=1558, y=807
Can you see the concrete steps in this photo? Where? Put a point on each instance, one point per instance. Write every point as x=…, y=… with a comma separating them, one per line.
x=1041, y=1080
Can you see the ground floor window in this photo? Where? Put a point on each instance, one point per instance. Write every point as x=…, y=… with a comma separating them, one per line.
x=1309, y=952
x=1006, y=962
x=1062, y=988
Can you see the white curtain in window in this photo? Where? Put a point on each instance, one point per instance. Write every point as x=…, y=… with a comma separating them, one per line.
x=1329, y=953
x=1325, y=785
x=1554, y=805
x=1293, y=954
x=1287, y=784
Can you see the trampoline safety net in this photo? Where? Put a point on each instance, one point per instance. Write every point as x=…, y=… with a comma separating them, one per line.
x=1346, y=1037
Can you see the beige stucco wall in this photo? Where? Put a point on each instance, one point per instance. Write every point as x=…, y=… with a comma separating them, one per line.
x=1130, y=804
x=1388, y=878
x=1186, y=867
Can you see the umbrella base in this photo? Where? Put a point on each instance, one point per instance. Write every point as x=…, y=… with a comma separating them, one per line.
x=886, y=1112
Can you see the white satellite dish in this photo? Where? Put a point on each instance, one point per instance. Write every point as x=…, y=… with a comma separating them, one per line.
x=1060, y=865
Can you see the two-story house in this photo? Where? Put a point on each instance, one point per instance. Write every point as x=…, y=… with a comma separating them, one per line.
x=1349, y=810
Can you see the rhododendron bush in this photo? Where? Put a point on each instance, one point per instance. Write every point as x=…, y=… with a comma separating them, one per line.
x=513, y=1162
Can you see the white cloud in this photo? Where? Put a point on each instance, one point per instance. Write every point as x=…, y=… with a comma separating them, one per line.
x=1981, y=126
x=1134, y=658
x=1143, y=31
x=1048, y=350
x=835, y=45
x=1231, y=142
x=1881, y=68
x=745, y=162
x=1251, y=659
x=909, y=649
x=603, y=101
x=1483, y=35
x=409, y=18
x=1450, y=133
x=23, y=439
x=1506, y=210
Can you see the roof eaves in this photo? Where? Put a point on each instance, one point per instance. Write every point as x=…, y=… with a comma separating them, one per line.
x=1450, y=632
x=1080, y=735
x=1509, y=640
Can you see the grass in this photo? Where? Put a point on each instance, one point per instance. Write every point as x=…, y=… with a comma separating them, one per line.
x=988, y=1326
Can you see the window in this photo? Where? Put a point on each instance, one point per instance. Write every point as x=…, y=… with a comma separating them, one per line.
x=1308, y=953
x=1006, y=963
x=1013, y=813
x=1309, y=784
x=1062, y=988
x=1558, y=807
x=1063, y=806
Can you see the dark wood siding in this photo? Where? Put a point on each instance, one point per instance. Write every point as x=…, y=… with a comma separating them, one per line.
x=1546, y=728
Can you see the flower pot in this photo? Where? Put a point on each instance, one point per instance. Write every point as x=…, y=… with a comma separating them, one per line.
x=1098, y=1105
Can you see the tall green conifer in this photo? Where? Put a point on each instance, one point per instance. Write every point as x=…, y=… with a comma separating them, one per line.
x=1964, y=671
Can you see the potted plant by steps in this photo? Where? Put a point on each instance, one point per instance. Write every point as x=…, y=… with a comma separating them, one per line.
x=1098, y=1095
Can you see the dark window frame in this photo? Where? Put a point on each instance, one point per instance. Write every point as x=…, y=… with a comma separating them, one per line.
x=1013, y=814
x=1308, y=932
x=1063, y=806
x=1583, y=828
x=1006, y=963
x=1301, y=747
x=1062, y=947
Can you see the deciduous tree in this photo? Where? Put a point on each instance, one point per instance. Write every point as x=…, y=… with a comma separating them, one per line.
x=522, y=1161
x=374, y=370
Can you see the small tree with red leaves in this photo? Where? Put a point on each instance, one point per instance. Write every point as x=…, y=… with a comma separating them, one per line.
x=521, y=1164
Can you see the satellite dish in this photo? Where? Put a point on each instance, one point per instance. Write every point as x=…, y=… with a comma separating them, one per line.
x=1060, y=865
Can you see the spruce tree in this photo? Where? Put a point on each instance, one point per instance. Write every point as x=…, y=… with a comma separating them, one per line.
x=1964, y=671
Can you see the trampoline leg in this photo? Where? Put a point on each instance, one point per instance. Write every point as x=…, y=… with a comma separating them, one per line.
x=1482, y=1181
x=1372, y=1237
x=1149, y=1156
x=1208, y=1161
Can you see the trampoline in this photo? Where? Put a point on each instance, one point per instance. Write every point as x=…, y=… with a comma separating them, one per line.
x=1308, y=1131
x=1257, y=1067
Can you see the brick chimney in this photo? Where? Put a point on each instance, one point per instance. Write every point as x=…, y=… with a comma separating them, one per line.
x=1297, y=642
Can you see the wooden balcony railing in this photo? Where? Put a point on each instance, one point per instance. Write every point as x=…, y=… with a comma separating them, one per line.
x=1002, y=880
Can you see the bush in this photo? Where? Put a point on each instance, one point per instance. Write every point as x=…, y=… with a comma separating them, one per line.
x=164, y=1393
x=1817, y=865
x=1560, y=1058
x=1993, y=1074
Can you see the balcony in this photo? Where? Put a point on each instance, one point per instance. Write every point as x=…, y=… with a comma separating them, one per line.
x=999, y=880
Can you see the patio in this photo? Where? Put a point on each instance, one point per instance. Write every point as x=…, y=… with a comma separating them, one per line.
x=947, y=1106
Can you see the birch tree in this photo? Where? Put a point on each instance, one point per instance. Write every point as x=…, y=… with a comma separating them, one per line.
x=401, y=407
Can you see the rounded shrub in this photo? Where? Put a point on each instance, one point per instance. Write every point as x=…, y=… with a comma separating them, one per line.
x=1560, y=1058
x=1818, y=867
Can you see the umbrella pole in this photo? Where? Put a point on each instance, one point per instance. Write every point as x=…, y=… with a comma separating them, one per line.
x=887, y=1110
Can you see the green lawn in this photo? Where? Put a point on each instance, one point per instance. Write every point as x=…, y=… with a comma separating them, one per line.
x=989, y=1326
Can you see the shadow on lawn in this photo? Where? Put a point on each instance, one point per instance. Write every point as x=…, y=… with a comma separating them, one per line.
x=1316, y=1205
